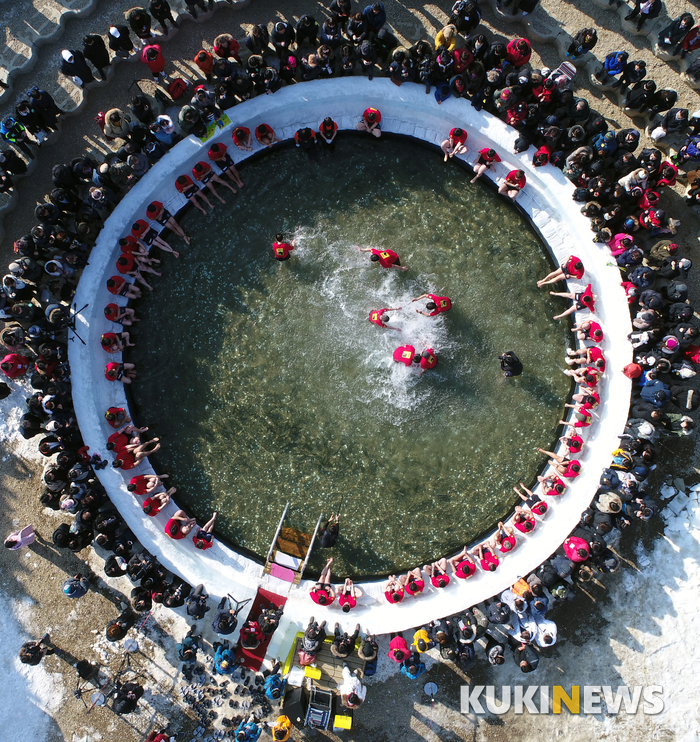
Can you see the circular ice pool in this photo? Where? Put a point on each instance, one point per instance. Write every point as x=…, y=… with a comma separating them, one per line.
x=272, y=386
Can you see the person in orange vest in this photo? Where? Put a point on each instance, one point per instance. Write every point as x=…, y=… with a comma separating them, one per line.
x=281, y=249
x=370, y=121
x=380, y=317
x=436, y=305
x=281, y=729
x=385, y=258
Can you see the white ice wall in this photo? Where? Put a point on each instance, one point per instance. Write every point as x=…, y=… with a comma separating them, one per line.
x=546, y=200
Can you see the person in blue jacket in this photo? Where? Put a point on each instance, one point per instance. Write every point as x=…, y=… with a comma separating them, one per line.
x=224, y=659
x=613, y=65
x=248, y=731
x=375, y=15
x=274, y=684
x=412, y=666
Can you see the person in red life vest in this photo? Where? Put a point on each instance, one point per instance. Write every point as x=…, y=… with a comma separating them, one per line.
x=487, y=157
x=486, y=556
x=348, y=595
x=513, y=184
x=251, y=635
x=242, y=138
x=203, y=538
x=437, y=571
x=413, y=582
x=117, y=442
x=328, y=130
x=572, y=442
x=405, y=354
x=393, y=590
x=436, y=305
x=428, y=360
x=462, y=564
x=564, y=466
x=185, y=185
x=380, y=317
x=281, y=249
x=218, y=153
x=552, y=485
x=589, y=330
x=153, y=504
x=455, y=144
x=112, y=343
x=587, y=398
x=127, y=265
x=265, y=135
x=385, y=258
x=180, y=525
x=305, y=138
x=116, y=417
x=581, y=301
x=119, y=286
x=589, y=376
x=503, y=539
x=156, y=212
x=581, y=418
x=123, y=315
x=124, y=372
x=585, y=356
x=322, y=592
x=144, y=484
x=152, y=57
x=398, y=648
x=142, y=231
x=370, y=121
x=204, y=173
x=576, y=549
x=131, y=246
x=14, y=365
x=572, y=267
x=524, y=520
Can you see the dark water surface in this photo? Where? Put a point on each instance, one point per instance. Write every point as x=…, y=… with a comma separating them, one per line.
x=267, y=383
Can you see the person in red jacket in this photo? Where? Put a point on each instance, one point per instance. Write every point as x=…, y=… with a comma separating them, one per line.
x=428, y=360
x=513, y=184
x=185, y=185
x=205, y=61
x=572, y=267
x=518, y=52
x=204, y=173
x=14, y=365
x=203, y=538
x=380, y=317
x=455, y=144
x=487, y=157
x=153, y=58
x=156, y=212
x=398, y=648
x=119, y=286
x=242, y=138
x=385, y=258
x=123, y=315
x=405, y=354
x=112, y=343
x=123, y=372
x=370, y=121
x=436, y=305
x=251, y=635
x=116, y=417
x=219, y=155
x=226, y=46
x=576, y=549
x=265, y=135
x=281, y=249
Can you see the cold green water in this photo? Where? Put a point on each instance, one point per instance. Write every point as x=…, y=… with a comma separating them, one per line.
x=267, y=383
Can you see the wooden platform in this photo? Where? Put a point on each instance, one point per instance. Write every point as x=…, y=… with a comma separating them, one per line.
x=293, y=542
x=331, y=667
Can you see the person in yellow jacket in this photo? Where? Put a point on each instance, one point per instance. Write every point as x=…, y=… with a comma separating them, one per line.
x=422, y=641
x=447, y=38
x=282, y=729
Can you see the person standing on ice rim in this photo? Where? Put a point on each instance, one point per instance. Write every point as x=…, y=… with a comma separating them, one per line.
x=385, y=258
x=281, y=249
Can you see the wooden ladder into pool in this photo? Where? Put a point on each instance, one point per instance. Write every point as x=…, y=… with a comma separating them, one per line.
x=290, y=551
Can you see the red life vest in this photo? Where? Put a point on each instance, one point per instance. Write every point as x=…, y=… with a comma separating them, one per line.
x=281, y=250
x=185, y=186
x=430, y=361
x=387, y=258
x=118, y=282
x=139, y=482
x=404, y=354
x=375, y=317
x=570, y=267
x=442, y=304
x=465, y=569
x=125, y=263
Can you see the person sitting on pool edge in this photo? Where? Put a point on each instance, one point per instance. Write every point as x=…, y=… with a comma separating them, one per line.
x=322, y=592
x=370, y=121
x=510, y=364
x=180, y=525
x=572, y=267
x=436, y=305
x=385, y=258
x=455, y=144
x=513, y=184
x=282, y=249
x=203, y=538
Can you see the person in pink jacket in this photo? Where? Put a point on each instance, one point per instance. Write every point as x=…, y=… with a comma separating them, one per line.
x=153, y=58
x=576, y=549
x=398, y=648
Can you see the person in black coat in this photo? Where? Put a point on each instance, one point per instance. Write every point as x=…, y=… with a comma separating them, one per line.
x=120, y=41
x=140, y=23
x=73, y=65
x=307, y=31
x=160, y=10
x=673, y=35
x=644, y=15
x=45, y=106
x=96, y=52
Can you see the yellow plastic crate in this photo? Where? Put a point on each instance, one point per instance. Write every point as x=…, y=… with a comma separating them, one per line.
x=342, y=722
x=312, y=672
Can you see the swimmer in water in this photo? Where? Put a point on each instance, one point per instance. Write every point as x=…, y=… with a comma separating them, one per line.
x=510, y=364
x=427, y=360
x=436, y=305
x=281, y=249
x=385, y=258
x=330, y=532
x=380, y=317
